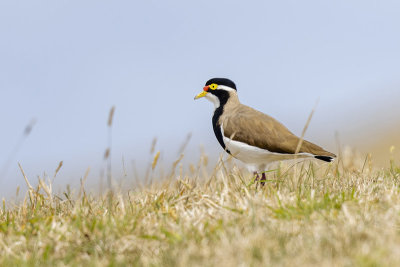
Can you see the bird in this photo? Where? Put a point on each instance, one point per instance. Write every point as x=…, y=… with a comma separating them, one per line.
x=251, y=136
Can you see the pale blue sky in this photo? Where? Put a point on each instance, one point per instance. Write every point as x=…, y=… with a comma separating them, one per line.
x=65, y=63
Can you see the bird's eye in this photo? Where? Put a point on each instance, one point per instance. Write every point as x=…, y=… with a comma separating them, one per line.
x=213, y=86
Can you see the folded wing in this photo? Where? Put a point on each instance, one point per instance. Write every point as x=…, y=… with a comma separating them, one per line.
x=258, y=129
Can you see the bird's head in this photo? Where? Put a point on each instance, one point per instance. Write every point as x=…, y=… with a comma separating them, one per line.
x=217, y=90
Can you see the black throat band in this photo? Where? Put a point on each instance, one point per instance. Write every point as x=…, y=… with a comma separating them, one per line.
x=223, y=97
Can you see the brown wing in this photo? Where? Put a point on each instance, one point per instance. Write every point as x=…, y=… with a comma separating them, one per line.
x=258, y=129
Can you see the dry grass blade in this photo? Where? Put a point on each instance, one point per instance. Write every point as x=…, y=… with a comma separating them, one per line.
x=155, y=160
x=29, y=127
x=30, y=188
x=185, y=143
x=25, y=134
x=56, y=172
x=47, y=189
x=305, y=128
x=107, y=153
x=26, y=179
x=111, y=116
x=58, y=169
x=153, y=145
x=82, y=189
x=174, y=164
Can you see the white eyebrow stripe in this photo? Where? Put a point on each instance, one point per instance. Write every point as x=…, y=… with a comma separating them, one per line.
x=226, y=88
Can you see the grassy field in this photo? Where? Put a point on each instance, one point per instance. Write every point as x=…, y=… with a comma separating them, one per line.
x=340, y=214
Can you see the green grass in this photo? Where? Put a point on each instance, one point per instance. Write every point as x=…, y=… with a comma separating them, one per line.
x=326, y=215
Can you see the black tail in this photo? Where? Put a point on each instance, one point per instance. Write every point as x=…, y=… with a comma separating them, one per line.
x=325, y=158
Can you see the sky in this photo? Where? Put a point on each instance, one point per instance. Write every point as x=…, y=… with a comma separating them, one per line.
x=64, y=64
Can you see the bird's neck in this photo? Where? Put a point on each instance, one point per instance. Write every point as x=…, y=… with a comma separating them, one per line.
x=224, y=103
x=232, y=102
x=226, y=98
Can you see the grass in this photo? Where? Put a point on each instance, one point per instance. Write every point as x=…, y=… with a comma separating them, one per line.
x=308, y=215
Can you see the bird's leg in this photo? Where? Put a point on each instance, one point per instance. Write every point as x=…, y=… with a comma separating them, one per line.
x=263, y=179
x=256, y=177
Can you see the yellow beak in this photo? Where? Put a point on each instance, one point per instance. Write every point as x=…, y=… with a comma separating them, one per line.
x=200, y=95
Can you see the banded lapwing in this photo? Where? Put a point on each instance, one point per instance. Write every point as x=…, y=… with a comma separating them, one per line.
x=250, y=135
